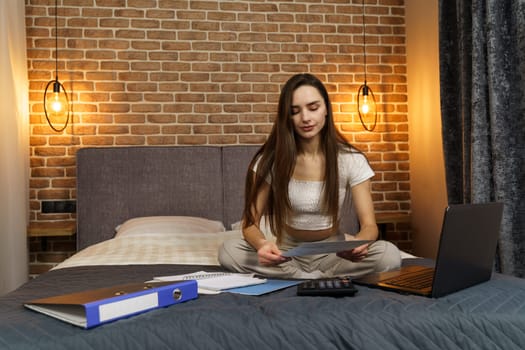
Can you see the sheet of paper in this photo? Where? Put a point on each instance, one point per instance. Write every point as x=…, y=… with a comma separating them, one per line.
x=312, y=248
x=228, y=282
x=271, y=285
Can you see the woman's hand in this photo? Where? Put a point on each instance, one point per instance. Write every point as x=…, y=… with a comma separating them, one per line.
x=269, y=254
x=355, y=255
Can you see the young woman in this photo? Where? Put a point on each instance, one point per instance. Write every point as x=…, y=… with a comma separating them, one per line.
x=297, y=183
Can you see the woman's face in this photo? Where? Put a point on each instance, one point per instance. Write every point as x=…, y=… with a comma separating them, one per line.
x=308, y=111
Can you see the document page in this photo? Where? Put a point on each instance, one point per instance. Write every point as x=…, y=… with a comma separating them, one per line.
x=312, y=248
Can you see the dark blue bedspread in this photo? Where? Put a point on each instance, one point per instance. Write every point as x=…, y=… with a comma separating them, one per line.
x=488, y=316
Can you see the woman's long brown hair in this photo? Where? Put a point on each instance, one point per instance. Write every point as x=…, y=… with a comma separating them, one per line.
x=278, y=157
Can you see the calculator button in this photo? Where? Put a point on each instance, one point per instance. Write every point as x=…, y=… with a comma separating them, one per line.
x=336, y=287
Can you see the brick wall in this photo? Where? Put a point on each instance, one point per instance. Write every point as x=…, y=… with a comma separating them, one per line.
x=178, y=72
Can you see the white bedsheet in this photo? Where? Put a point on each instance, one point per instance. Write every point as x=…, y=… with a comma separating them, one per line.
x=157, y=248
x=152, y=248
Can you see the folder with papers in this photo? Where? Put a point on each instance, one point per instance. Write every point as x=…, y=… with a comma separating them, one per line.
x=91, y=308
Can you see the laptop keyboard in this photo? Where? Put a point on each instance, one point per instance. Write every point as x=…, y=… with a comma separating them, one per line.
x=420, y=280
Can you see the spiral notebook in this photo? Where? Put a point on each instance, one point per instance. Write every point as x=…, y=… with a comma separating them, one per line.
x=215, y=281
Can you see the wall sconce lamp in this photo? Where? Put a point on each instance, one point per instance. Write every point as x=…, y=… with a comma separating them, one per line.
x=56, y=102
x=366, y=101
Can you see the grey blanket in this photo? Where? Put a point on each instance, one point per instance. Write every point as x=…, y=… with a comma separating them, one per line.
x=487, y=316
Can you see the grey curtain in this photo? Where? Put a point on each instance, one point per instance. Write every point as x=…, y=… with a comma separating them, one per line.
x=482, y=71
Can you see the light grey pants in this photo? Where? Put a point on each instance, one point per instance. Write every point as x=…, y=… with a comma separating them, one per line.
x=239, y=256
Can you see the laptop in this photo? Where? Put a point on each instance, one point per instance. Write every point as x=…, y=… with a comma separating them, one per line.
x=466, y=252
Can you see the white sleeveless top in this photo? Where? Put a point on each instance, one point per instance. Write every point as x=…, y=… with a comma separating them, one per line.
x=305, y=196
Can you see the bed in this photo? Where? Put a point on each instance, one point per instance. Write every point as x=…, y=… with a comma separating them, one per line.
x=155, y=211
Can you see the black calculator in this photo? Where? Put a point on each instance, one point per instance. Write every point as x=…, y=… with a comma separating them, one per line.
x=330, y=287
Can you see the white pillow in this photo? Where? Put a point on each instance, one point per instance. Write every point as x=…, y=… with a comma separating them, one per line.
x=168, y=225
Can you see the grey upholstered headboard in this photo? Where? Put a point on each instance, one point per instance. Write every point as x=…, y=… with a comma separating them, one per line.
x=119, y=183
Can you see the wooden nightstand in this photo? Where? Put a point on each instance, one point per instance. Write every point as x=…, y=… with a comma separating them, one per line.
x=383, y=219
x=45, y=229
x=52, y=229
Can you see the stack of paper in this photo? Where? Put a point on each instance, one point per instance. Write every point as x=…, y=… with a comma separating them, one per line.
x=215, y=281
